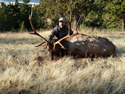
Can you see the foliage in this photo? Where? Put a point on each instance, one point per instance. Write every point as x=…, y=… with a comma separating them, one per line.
x=26, y=1
x=13, y=15
x=24, y=14
x=22, y=28
x=7, y=12
x=113, y=14
x=82, y=8
x=93, y=13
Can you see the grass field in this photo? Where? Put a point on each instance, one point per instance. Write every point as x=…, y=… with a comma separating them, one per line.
x=25, y=69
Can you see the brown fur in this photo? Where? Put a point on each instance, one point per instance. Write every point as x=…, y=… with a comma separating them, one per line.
x=81, y=45
x=84, y=46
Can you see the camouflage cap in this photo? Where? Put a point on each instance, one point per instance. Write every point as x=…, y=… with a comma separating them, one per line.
x=62, y=19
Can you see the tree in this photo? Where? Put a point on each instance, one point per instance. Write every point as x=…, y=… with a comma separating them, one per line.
x=7, y=20
x=25, y=10
x=26, y=1
x=9, y=15
x=113, y=14
x=60, y=8
x=15, y=17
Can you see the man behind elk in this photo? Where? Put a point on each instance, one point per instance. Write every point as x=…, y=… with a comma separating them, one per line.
x=61, y=30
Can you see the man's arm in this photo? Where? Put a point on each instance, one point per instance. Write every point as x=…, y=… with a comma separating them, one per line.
x=74, y=32
x=52, y=34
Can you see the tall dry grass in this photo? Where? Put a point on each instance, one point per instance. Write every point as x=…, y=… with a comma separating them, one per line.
x=21, y=73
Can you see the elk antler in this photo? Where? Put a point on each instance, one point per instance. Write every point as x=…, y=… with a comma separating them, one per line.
x=69, y=24
x=35, y=33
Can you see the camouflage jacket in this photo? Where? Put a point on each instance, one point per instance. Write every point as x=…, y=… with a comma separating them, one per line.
x=59, y=33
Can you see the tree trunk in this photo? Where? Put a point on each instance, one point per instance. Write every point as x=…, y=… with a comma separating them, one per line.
x=75, y=21
x=61, y=15
x=123, y=18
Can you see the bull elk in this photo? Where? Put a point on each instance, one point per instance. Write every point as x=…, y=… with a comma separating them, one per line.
x=80, y=45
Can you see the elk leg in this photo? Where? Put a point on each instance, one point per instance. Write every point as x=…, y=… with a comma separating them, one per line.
x=92, y=58
x=52, y=56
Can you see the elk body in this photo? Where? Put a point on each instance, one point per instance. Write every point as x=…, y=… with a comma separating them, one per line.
x=78, y=45
x=81, y=45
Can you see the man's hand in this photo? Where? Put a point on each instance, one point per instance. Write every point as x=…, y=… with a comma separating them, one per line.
x=48, y=41
x=75, y=31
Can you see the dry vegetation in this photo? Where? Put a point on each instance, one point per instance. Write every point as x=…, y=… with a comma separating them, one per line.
x=25, y=69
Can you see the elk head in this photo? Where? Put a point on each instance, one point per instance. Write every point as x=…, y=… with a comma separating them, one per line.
x=54, y=47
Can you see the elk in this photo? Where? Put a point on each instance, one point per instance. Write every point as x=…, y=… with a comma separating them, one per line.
x=78, y=45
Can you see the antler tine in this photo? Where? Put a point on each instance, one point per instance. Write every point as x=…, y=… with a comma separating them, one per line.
x=69, y=24
x=31, y=11
x=70, y=14
x=34, y=31
x=40, y=44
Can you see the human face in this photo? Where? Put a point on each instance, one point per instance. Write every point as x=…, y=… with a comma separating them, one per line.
x=62, y=24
